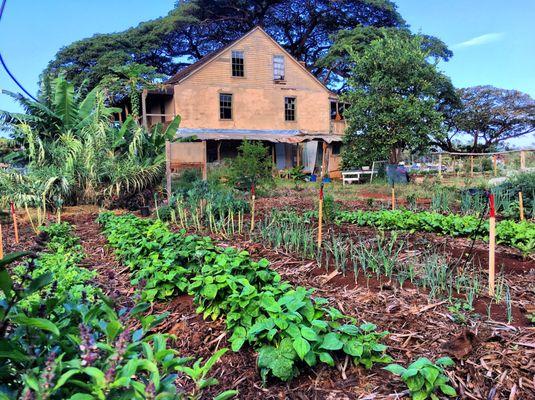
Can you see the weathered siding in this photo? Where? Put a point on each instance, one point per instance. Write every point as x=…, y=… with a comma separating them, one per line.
x=258, y=102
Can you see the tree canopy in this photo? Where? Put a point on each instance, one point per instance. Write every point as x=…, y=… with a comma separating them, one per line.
x=196, y=27
x=486, y=117
x=393, y=91
x=337, y=65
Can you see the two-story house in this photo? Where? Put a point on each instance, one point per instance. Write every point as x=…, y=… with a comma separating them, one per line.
x=253, y=89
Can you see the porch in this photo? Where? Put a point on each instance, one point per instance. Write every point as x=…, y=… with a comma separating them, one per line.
x=288, y=148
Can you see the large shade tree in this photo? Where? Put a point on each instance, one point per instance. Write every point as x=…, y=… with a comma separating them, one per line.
x=394, y=92
x=485, y=118
x=337, y=64
x=196, y=27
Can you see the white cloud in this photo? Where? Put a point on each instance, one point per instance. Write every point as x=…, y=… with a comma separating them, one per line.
x=479, y=40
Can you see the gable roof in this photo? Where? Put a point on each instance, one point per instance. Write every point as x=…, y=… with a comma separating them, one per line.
x=193, y=68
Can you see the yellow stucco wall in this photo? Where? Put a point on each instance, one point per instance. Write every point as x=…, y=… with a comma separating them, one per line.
x=258, y=102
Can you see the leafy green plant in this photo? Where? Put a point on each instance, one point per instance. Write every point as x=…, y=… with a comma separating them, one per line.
x=82, y=349
x=425, y=379
x=252, y=166
x=198, y=372
x=517, y=234
x=259, y=308
x=74, y=155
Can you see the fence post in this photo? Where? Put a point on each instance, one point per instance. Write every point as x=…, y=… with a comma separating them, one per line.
x=492, y=243
x=440, y=166
x=320, y=215
x=522, y=160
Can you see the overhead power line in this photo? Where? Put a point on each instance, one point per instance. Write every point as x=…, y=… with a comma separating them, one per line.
x=4, y=63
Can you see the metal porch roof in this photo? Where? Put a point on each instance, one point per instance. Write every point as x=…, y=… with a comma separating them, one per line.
x=275, y=136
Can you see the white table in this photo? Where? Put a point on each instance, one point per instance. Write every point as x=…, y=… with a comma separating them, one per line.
x=354, y=176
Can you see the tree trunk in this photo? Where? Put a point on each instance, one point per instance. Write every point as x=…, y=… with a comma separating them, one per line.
x=395, y=154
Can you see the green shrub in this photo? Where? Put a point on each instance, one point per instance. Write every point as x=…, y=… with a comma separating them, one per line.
x=252, y=165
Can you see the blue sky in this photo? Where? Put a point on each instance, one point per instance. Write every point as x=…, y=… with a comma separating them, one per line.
x=493, y=41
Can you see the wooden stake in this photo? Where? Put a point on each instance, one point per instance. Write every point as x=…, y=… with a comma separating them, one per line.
x=521, y=206
x=492, y=243
x=522, y=160
x=320, y=216
x=495, y=164
x=440, y=166
x=471, y=166
x=15, y=223
x=393, y=198
x=252, y=206
x=323, y=164
x=1, y=243
x=168, y=181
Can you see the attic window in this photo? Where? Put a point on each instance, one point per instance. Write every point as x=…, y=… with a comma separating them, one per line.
x=237, y=63
x=225, y=105
x=278, y=67
x=289, y=108
x=337, y=110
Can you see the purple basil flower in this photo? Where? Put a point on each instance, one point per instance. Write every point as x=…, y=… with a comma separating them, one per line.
x=88, y=346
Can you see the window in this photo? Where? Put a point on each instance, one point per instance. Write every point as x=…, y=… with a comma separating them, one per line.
x=336, y=146
x=237, y=63
x=225, y=106
x=278, y=67
x=289, y=108
x=337, y=110
x=334, y=110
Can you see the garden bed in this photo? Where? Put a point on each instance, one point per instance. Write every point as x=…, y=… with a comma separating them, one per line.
x=491, y=357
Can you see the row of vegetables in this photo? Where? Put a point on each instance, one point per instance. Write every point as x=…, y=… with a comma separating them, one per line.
x=288, y=326
x=61, y=338
x=520, y=235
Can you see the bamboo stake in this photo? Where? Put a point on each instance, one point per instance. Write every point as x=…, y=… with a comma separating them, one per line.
x=492, y=243
x=521, y=205
x=252, y=207
x=15, y=223
x=1, y=243
x=393, y=198
x=320, y=216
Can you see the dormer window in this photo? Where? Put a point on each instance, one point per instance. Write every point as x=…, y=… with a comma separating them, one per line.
x=278, y=67
x=237, y=63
